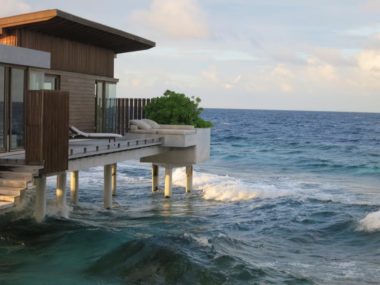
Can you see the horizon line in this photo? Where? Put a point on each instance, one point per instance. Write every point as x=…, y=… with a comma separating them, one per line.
x=294, y=110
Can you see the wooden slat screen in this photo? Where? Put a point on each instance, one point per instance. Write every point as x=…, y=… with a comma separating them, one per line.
x=121, y=111
x=47, y=130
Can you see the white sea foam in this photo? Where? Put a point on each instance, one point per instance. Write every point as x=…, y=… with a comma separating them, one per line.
x=226, y=188
x=53, y=210
x=371, y=223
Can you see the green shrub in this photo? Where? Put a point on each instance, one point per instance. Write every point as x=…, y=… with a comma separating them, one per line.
x=176, y=109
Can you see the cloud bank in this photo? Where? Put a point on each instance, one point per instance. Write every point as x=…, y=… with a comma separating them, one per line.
x=180, y=19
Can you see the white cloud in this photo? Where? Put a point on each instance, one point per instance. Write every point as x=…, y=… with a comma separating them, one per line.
x=371, y=6
x=281, y=71
x=369, y=60
x=320, y=70
x=176, y=19
x=13, y=7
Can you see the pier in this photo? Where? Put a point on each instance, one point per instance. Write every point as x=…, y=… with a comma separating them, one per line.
x=64, y=158
x=56, y=74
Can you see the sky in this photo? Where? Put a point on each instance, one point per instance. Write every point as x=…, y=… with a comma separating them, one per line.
x=250, y=54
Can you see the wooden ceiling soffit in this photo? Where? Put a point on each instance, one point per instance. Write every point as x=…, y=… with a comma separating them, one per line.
x=62, y=24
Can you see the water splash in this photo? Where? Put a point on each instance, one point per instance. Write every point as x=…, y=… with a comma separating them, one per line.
x=371, y=223
x=226, y=188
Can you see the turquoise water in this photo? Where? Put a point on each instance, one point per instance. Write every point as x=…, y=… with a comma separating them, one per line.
x=287, y=198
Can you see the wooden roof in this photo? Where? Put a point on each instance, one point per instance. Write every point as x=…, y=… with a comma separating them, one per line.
x=61, y=24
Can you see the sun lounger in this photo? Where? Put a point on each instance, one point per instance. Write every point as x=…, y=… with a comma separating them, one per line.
x=145, y=126
x=80, y=133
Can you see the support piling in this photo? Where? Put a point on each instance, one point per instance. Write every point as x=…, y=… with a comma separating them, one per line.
x=155, y=179
x=61, y=190
x=40, y=206
x=189, y=178
x=74, y=182
x=107, y=191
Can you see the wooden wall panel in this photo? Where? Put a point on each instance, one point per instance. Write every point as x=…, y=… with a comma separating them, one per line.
x=33, y=128
x=10, y=40
x=82, y=99
x=67, y=55
x=47, y=130
x=55, y=131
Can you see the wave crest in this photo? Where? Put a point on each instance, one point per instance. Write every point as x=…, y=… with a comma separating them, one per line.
x=225, y=188
x=371, y=223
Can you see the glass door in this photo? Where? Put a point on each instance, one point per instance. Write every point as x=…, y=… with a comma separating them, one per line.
x=2, y=105
x=12, y=89
x=17, y=90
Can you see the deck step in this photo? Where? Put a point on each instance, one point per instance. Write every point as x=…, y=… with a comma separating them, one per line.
x=11, y=191
x=34, y=169
x=12, y=161
x=15, y=182
x=9, y=198
x=6, y=205
x=16, y=175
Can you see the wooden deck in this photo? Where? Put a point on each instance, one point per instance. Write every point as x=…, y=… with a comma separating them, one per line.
x=82, y=148
x=93, y=147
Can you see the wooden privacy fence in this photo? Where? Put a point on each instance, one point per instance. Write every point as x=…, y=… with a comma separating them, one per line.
x=47, y=130
x=114, y=114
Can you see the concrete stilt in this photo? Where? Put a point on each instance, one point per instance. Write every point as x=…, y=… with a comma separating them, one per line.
x=60, y=192
x=155, y=181
x=107, y=191
x=74, y=180
x=168, y=181
x=114, y=177
x=189, y=178
x=40, y=206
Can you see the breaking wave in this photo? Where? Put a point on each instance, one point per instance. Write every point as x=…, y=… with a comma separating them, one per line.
x=371, y=223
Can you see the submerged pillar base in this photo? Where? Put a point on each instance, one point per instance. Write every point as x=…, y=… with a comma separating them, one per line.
x=189, y=178
x=168, y=182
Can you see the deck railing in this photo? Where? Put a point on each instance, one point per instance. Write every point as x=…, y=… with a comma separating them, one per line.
x=113, y=115
x=46, y=130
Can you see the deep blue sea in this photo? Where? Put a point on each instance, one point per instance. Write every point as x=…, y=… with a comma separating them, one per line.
x=286, y=198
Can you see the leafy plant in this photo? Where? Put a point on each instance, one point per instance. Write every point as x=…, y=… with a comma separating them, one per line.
x=176, y=109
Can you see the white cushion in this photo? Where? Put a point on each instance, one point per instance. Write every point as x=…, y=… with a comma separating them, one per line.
x=152, y=123
x=141, y=124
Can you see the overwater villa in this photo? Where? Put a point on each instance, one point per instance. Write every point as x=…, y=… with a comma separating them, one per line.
x=59, y=112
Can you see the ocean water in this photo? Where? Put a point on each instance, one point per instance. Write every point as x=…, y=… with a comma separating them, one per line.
x=287, y=198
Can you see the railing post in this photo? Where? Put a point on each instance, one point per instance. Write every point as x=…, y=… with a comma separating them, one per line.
x=135, y=111
x=131, y=109
x=127, y=115
x=143, y=108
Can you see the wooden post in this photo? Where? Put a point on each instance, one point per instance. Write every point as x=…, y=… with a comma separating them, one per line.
x=61, y=191
x=107, y=191
x=127, y=115
x=135, y=109
x=114, y=178
x=40, y=206
x=155, y=180
x=74, y=180
x=168, y=181
x=143, y=108
x=189, y=178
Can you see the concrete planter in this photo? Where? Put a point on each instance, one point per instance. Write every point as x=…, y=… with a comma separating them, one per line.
x=184, y=149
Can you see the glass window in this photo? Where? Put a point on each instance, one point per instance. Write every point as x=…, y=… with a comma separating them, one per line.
x=17, y=107
x=110, y=90
x=2, y=118
x=51, y=82
x=36, y=80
